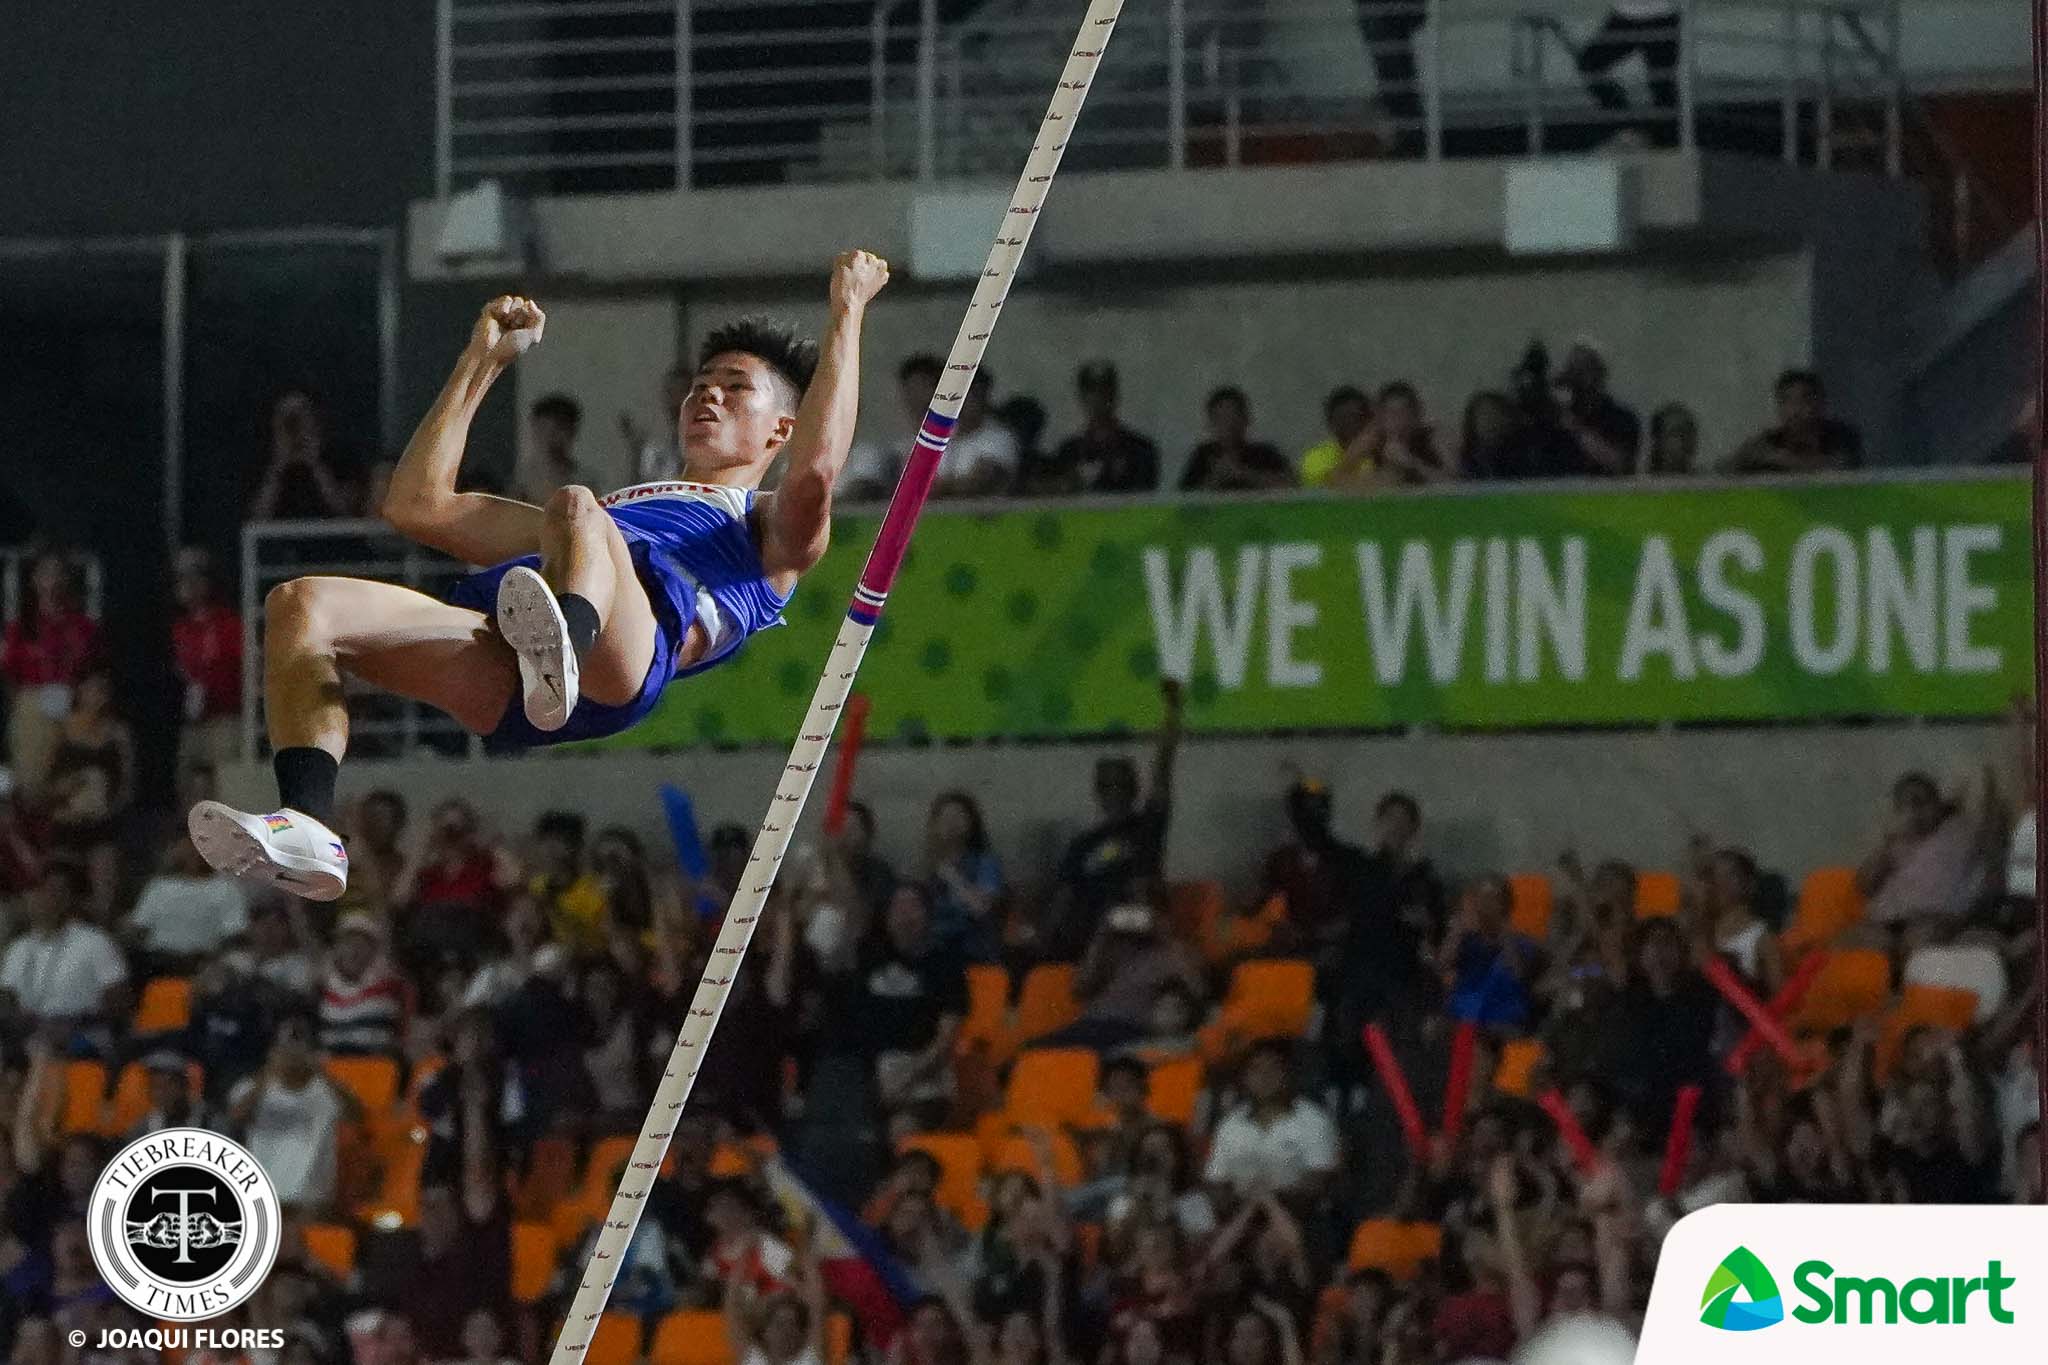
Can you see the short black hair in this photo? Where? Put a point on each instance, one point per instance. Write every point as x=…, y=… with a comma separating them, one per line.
x=560, y=824
x=1127, y=1066
x=71, y=872
x=919, y=1156
x=558, y=407
x=1229, y=393
x=1344, y=393
x=386, y=797
x=1400, y=388
x=1805, y=379
x=1279, y=1049
x=777, y=345
x=1919, y=780
x=1404, y=801
x=921, y=363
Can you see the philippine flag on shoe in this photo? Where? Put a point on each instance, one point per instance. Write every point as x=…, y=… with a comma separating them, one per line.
x=857, y=1269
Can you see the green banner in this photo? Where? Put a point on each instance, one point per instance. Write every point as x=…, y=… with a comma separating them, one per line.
x=1497, y=609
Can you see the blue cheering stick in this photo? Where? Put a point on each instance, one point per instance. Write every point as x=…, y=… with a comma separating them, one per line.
x=682, y=832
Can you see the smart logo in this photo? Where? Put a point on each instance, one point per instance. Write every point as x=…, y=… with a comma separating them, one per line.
x=1761, y=1305
x=1831, y=1299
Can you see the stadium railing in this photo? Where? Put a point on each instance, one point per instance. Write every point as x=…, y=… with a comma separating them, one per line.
x=611, y=95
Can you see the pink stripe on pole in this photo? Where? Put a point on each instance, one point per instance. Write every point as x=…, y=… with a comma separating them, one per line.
x=892, y=542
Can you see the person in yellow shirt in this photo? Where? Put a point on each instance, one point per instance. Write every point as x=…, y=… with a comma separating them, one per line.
x=1345, y=413
x=572, y=894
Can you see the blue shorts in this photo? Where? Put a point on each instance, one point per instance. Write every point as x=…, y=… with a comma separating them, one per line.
x=674, y=599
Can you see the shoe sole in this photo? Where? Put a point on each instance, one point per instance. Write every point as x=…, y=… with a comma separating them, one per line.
x=531, y=621
x=228, y=847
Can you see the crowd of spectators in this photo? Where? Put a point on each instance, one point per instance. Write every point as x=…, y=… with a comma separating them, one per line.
x=1546, y=422
x=1219, y=1176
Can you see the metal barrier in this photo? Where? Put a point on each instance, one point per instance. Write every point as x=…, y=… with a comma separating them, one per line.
x=272, y=552
x=568, y=96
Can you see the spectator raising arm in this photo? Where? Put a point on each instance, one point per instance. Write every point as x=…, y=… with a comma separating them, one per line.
x=1167, y=749
x=1524, y=1299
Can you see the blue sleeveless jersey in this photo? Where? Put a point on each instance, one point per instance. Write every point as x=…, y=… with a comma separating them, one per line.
x=685, y=539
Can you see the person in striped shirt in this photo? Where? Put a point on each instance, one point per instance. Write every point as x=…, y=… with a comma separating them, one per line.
x=364, y=1001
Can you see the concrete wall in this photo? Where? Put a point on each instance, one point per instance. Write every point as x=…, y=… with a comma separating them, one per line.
x=1452, y=329
x=1799, y=798
x=609, y=354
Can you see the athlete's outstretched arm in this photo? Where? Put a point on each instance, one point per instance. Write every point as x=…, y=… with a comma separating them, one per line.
x=798, y=524
x=422, y=502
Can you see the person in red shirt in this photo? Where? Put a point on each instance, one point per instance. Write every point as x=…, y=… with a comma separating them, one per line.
x=206, y=647
x=43, y=655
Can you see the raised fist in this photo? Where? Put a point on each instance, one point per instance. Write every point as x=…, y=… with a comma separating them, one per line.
x=857, y=276
x=508, y=326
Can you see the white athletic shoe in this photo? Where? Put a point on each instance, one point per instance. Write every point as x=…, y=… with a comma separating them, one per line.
x=287, y=849
x=532, y=623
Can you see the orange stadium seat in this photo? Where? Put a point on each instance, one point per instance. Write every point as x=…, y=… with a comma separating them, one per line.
x=988, y=1007
x=1173, y=1088
x=1192, y=907
x=690, y=1336
x=131, y=1095
x=1657, y=894
x=1018, y=1154
x=600, y=1179
x=400, y=1151
x=1933, y=1006
x=1853, y=985
x=372, y=1080
x=1397, y=1248
x=165, y=1006
x=333, y=1246
x=838, y=1338
x=617, y=1340
x=1829, y=902
x=550, y=1178
x=1052, y=1086
x=1519, y=1058
x=533, y=1260
x=85, y=1090
x=959, y=1157
x=733, y=1158
x=1271, y=998
x=1046, y=1003
x=1531, y=897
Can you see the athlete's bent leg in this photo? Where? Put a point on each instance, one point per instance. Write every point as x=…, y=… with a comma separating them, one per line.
x=583, y=624
x=315, y=630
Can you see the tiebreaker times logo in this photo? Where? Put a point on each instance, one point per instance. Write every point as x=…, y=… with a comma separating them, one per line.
x=184, y=1225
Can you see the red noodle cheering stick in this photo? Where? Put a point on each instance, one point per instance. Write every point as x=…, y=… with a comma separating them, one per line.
x=1745, y=1002
x=1458, y=1085
x=1678, y=1144
x=1782, y=1004
x=851, y=732
x=1396, y=1084
x=1584, y=1154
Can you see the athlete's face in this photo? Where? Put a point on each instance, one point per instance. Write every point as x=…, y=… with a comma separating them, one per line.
x=737, y=416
